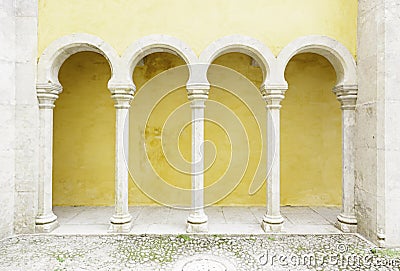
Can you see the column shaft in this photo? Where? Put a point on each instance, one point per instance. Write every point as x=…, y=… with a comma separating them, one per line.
x=347, y=95
x=347, y=220
x=45, y=220
x=348, y=161
x=197, y=220
x=121, y=220
x=273, y=163
x=273, y=220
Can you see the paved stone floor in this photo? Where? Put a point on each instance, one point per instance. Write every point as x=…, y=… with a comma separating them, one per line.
x=194, y=252
x=222, y=220
x=158, y=242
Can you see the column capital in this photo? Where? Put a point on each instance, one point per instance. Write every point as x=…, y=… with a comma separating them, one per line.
x=197, y=92
x=273, y=96
x=47, y=94
x=122, y=95
x=347, y=96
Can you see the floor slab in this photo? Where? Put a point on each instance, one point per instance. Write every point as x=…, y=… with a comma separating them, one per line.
x=329, y=213
x=221, y=220
x=239, y=215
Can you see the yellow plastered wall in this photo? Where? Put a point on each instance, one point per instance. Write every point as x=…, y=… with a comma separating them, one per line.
x=310, y=134
x=84, y=120
x=199, y=22
x=84, y=133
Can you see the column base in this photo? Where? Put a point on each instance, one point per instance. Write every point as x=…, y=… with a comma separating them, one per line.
x=197, y=223
x=120, y=224
x=196, y=228
x=46, y=223
x=347, y=224
x=120, y=228
x=272, y=223
x=381, y=239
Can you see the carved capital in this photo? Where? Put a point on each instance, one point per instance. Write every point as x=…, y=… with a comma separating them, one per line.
x=273, y=96
x=47, y=94
x=347, y=96
x=122, y=95
x=198, y=93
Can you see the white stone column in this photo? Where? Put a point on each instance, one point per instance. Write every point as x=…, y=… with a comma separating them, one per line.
x=121, y=221
x=273, y=220
x=197, y=221
x=347, y=95
x=46, y=220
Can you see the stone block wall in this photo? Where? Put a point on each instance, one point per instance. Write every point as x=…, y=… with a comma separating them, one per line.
x=7, y=117
x=378, y=122
x=26, y=116
x=18, y=116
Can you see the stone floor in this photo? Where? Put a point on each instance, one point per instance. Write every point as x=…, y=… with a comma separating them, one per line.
x=158, y=242
x=210, y=252
x=222, y=220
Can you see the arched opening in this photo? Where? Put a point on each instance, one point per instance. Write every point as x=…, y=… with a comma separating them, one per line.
x=160, y=138
x=235, y=132
x=311, y=156
x=84, y=140
x=247, y=108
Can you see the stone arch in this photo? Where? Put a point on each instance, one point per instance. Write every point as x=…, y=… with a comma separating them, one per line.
x=335, y=52
x=241, y=44
x=346, y=90
x=152, y=44
x=48, y=88
x=57, y=52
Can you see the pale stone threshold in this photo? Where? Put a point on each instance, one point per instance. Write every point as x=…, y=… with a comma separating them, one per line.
x=221, y=220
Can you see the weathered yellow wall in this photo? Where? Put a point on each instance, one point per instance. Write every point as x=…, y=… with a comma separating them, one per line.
x=84, y=116
x=310, y=134
x=84, y=132
x=214, y=132
x=199, y=22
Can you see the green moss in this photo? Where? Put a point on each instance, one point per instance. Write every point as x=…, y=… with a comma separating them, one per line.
x=301, y=248
x=60, y=258
x=184, y=237
x=390, y=253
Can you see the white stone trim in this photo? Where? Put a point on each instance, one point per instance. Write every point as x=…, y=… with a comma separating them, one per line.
x=148, y=45
x=336, y=53
x=246, y=45
x=59, y=50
